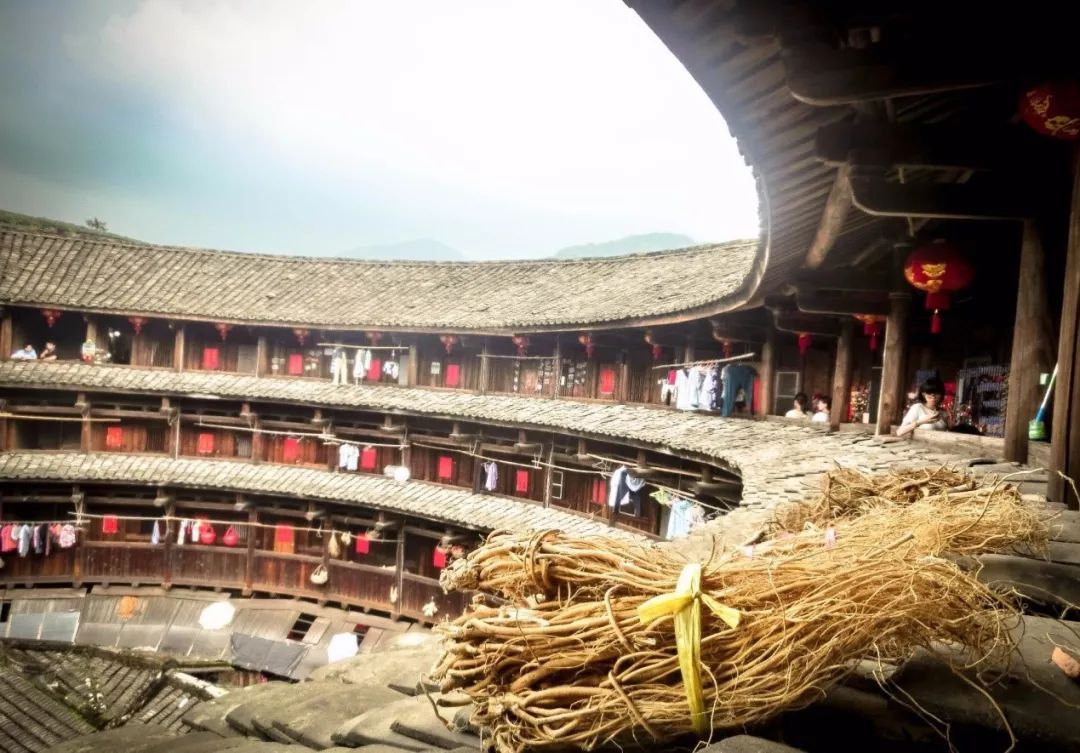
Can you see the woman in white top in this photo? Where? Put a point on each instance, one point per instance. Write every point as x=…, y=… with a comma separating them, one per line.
x=926, y=412
x=823, y=404
x=799, y=411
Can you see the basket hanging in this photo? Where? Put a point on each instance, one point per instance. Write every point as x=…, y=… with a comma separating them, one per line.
x=207, y=534
x=231, y=537
x=333, y=548
x=320, y=575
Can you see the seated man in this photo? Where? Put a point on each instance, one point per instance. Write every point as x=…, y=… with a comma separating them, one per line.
x=49, y=353
x=26, y=354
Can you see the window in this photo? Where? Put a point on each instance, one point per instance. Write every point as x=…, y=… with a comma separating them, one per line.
x=453, y=375
x=211, y=358
x=301, y=627
x=114, y=438
x=556, y=484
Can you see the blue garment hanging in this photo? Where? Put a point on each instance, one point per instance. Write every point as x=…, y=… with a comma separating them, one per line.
x=738, y=377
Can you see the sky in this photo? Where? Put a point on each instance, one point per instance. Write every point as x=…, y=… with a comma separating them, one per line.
x=503, y=128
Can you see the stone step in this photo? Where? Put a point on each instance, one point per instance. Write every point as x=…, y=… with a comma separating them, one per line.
x=314, y=721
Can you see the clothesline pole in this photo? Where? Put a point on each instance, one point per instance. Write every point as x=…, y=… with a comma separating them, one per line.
x=326, y=438
x=28, y=417
x=707, y=361
x=517, y=358
x=179, y=518
x=361, y=347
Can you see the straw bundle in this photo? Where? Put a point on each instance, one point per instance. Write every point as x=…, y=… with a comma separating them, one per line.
x=559, y=655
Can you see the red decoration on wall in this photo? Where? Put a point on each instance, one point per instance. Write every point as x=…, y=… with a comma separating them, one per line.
x=445, y=470
x=205, y=444
x=453, y=375
x=114, y=438
x=369, y=458
x=938, y=269
x=727, y=348
x=51, y=315
x=207, y=534
x=211, y=358
x=231, y=537
x=448, y=341
x=804, y=342
x=1053, y=109
x=296, y=364
x=587, y=342
x=521, y=481
x=657, y=352
x=137, y=323
x=363, y=543
x=521, y=343
x=438, y=557
x=607, y=381
x=110, y=524
x=290, y=449
x=283, y=533
x=301, y=335
x=871, y=327
x=223, y=329
x=598, y=494
x=374, y=337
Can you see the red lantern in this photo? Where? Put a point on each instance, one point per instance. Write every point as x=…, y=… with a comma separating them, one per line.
x=1053, y=109
x=521, y=343
x=727, y=348
x=223, y=329
x=374, y=337
x=938, y=269
x=448, y=341
x=586, y=340
x=137, y=322
x=51, y=315
x=657, y=352
x=301, y=335
x=871, y=327
x=804, y=342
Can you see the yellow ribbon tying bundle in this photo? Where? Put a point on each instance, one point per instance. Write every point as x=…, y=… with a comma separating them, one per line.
x=685, y=603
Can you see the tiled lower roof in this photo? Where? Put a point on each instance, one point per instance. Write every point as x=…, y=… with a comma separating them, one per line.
x=431, y=501
x=111, y=276
x=775, y=459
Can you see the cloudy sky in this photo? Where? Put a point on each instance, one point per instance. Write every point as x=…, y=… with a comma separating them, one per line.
x=504, y=128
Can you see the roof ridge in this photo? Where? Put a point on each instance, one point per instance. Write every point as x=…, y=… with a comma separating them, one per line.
x=549, y=261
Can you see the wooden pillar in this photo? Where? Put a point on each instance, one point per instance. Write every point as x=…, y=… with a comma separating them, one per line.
x=841, y=386
x=1065, y=436
x=78, y=501
x=260, y=356
x=396, y=608
x=167, y=543
x=556, y=366
x=86, y=435
x=547, y=473
x=485, y=370
x=892, y=364
x=6, y=334
x=413, y=375
x=252, y=535
x=256, y=440
x=623, y=392
x=178, y=348
x=1032, y=345
x=768, y=371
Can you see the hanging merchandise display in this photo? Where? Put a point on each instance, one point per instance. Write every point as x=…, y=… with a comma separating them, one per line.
x=938, y=269
x=231, y=537
x=1053, y=109
x=207, y=534
x=332, y=546
x=363, y=543
x=110, y=524
x=438, y=557
x=320, y=575
x=805, y=339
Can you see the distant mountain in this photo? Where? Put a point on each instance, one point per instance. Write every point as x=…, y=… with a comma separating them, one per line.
x=26, y=223
x=422, y=249
x=631, y=244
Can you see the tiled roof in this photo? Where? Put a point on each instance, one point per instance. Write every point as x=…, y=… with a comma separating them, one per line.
x=109, y=276
x=775, y=459
x=431, y=501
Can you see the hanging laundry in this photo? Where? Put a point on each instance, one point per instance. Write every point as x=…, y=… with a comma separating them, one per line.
x=361, y=365
x=196, y=531
x=211, y=358
x=624, y=493
x=8, y=539
x=374, y=370
x=284, y=539
x=24, y=540
x=363, y=543
x=390, y=369
x=67, y=537
x=290, y=449
x=114, y=438
x=614, y=484
x=369, y=459
x=438, y=557
x=453, y=375
x=679, y=522
x=38, y=539
x=685, y=397
x=599, y=491
x=295, y=365
x=348, y=456
x=445, y=470
x=491, y=475
x=339, y=366
x=182, y=531
x=155, y=535
x=205, y=443
x=110, y=524
x=707, y=390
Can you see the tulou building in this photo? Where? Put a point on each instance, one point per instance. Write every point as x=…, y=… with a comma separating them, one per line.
x=249, y=466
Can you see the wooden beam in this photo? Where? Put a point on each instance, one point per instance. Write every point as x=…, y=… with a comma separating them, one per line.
x=835, y=213
x=826, y=77
x=6, y=329
x=892, y=366
x=742, y=333
x=808, y=303
x=768, y=372
x=941, y=146
x=841, y=387
x=413, y=373
x=1032, y=346
x=1065, y=437
x=792, y=321
x=261, y=361
x=948, y=201
x=844, y=279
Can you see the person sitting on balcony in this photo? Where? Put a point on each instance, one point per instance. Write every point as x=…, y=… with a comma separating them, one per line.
x=821, y=415
x=27, y=353
x=49, y=353
x=799, y=411
x=926, y=411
